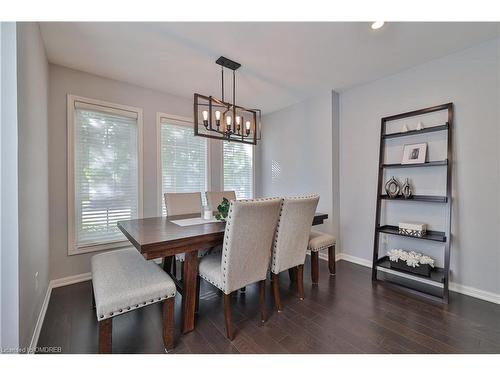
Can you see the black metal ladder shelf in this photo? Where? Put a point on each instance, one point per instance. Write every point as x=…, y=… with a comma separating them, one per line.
x=438, y=275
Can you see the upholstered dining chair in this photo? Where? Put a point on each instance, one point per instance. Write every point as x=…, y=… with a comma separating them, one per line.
x=246, y=251
x=183, y=203
x=291, y=240
x=180, y=204
x=214, y=198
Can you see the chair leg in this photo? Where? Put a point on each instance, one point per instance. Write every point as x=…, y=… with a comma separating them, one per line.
x=331, y=259
x=243, y=290
x=174, y=267
x=276, y=291
x=293, y=274
x=300, y=280
x=227, y=316
x=167, y=264
x=105, y=336
x=314, y=267
x=262, y=300
x=198, y=278
x=168, y=323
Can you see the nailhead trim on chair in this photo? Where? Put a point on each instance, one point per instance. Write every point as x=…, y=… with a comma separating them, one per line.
x=226, y=239
x=279, y=221
x=129, y=308
x=320, y=248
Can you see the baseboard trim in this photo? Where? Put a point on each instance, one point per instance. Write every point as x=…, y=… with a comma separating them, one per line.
x=39, y=322
x=458, y=288
x=41, y=316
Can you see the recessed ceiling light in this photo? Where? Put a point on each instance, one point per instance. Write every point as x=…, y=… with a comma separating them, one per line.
x=377, y=25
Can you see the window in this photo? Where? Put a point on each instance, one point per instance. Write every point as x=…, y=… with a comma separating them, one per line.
x=183, y=160
x=104, y=172
x=238, y=169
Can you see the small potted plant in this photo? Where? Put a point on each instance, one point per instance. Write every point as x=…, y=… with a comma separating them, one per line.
x=411, y=261
x=222, y=210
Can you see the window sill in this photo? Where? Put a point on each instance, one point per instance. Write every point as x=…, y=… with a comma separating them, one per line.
x=98, y=247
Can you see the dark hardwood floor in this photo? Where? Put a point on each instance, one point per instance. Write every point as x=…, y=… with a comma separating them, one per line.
x=343, y=314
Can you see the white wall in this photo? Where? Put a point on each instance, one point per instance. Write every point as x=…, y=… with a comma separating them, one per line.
x=469, y=79
x=33, y=84
x=9, y=240
x=65, y=81
x=295, y=154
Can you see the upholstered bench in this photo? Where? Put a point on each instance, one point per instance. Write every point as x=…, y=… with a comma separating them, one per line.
x=319, y=241
x=123, y=281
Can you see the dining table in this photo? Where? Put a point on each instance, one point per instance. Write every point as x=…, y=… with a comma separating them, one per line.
x=159, y=237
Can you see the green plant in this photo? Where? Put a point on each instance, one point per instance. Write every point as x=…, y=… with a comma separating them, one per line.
x=223, y=210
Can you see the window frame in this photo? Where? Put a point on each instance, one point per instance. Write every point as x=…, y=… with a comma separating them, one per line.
x=222, y=169
x=159, y=172
x=73, y=248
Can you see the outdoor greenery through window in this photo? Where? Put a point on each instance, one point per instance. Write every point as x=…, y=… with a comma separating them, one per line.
x=238, y=169
x=184, y=159
x=106, y=173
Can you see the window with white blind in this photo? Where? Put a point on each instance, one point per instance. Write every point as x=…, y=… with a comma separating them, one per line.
x=104, y=172
x=183, y=160
x=238, y=169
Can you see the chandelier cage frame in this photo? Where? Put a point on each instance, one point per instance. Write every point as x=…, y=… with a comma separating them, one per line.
x=225, y=127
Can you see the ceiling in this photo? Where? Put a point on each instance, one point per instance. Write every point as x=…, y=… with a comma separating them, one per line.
x=282, y=63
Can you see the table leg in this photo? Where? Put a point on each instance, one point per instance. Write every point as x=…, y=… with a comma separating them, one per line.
x=190, y=291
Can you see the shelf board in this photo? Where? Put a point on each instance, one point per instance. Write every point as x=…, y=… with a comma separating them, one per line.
x=418, y=198
x=437, y=274
x=428, y=164
x=415, y=132
x=431, y=235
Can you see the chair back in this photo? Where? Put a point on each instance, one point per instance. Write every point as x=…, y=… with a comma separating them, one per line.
x=183, y=203
x=248, y=240
x=214, y=198
x=292, y=232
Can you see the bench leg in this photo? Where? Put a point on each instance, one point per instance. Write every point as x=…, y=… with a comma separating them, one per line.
x=275, y=278
x=331, y=259
x=105, y=336
x=168, y=323
x=314, y=267
x=300, y=280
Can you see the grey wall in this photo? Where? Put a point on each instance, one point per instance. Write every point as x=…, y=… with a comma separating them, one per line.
x=33, y=176
x=295, y=155
x=65, y=81
x=9, y=236
x=470, y=80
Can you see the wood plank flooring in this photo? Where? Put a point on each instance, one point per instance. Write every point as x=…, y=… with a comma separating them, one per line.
x=345, y=313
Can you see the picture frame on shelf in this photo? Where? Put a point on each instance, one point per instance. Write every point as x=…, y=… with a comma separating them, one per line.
x=414, y=153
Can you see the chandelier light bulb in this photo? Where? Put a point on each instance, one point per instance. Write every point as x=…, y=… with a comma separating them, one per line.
x=247, y=125
x=205, y=118
x=238, y=120
x=228, y=120
x=217, y=115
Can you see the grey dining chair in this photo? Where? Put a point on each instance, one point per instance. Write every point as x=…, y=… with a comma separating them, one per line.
x=214, y=198
x=180, y=204
x=250, y=229
x=291, y=240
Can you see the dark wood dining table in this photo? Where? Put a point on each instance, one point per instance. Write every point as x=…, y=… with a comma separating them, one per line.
x=158, y=237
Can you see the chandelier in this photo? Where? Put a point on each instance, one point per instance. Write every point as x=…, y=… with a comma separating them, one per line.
x=224, y=120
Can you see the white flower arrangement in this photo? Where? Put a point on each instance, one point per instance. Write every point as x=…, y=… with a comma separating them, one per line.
x=412, y=258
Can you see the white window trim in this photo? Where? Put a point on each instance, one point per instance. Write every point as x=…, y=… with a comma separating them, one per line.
x=71, y=99
x=188, y=122
x=222, y=169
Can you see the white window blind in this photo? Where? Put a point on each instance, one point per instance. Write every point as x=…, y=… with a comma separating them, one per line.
x=238, y=169
x=106, y=172
x=184, y=159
